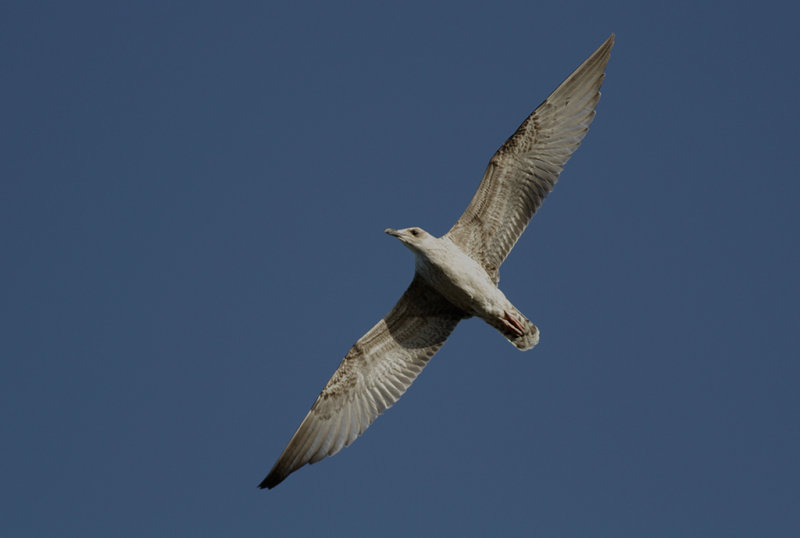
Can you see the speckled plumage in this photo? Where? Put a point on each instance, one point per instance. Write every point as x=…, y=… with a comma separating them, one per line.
x=456, y=275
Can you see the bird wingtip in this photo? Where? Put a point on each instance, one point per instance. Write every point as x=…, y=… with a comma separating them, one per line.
x=272, y=480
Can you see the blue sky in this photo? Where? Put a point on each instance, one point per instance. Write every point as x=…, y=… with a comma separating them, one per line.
x=192, y=207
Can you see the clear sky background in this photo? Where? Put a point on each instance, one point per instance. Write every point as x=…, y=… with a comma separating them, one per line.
x=192, y=204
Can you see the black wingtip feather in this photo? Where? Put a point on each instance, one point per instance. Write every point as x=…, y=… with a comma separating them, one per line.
x=271, y=481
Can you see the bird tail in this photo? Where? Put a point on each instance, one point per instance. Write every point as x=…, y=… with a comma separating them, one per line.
x=524, y=341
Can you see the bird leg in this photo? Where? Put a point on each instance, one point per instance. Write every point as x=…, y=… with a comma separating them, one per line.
x=513, y=324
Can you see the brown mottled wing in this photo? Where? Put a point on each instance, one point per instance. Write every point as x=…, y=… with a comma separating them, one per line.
x=525, y=169
x=374, y=374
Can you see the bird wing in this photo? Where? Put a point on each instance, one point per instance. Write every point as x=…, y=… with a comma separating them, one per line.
x=373, y=375
x=525, y=168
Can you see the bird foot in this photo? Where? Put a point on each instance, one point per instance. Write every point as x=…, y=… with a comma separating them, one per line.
x=513, y=324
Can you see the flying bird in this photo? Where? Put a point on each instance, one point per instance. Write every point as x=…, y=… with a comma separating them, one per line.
x=455, y=276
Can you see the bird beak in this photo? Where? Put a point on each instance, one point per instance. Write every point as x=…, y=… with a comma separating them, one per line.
x=392, y=232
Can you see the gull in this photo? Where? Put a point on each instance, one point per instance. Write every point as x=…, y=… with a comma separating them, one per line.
x=455, y=275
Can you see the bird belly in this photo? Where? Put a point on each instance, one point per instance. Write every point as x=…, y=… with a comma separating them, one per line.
x=466, y=284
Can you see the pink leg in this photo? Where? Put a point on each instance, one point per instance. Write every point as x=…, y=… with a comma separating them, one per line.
x=514, y=325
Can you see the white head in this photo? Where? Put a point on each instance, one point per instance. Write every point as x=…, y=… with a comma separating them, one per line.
x=416, y=239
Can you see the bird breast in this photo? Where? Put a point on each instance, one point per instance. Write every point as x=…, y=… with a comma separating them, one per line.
x=459, y=278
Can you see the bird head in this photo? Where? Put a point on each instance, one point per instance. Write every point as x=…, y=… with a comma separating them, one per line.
x=413, y=238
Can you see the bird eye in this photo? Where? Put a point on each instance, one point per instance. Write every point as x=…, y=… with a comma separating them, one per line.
x=415, y=232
